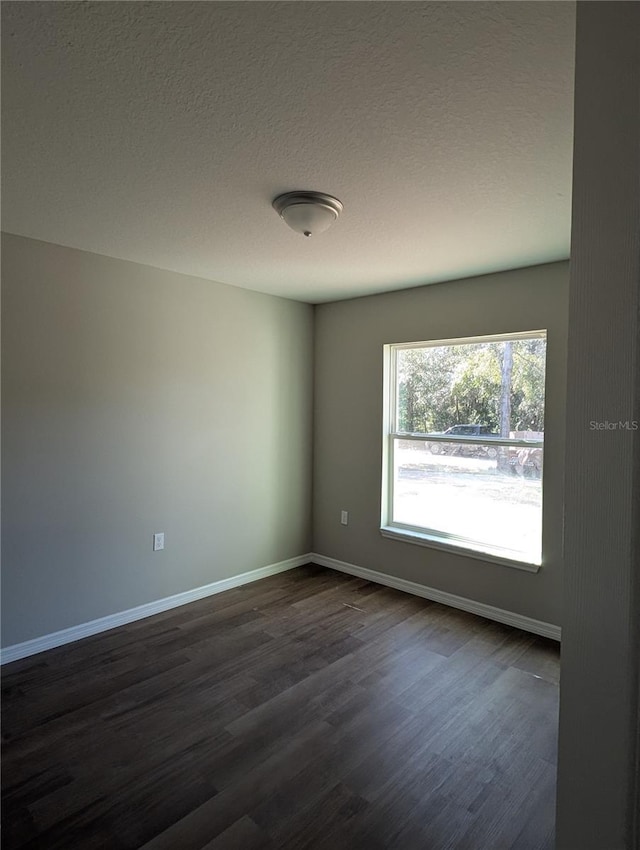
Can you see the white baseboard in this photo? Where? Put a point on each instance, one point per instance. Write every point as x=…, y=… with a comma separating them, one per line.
x=103, y=624
x=527, y=624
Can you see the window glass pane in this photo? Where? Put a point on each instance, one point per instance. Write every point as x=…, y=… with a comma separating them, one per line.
x=486, y=494
x=472, y=389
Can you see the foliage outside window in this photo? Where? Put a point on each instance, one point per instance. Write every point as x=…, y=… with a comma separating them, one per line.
x=464, y=444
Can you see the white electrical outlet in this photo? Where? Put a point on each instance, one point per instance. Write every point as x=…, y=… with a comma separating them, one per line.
x=158, y=541
x=344, y=517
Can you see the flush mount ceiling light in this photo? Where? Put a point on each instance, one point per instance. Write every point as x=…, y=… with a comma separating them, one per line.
x=307, y=212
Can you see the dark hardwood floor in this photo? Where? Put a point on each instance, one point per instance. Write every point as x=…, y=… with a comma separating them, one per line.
x=307, y=710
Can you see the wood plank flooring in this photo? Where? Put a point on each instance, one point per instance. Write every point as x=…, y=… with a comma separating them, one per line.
x=307, y=710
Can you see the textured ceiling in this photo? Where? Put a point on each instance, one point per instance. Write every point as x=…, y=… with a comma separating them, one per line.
x=160, y=133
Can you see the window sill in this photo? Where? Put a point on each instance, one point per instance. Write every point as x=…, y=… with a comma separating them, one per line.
x=421, y=539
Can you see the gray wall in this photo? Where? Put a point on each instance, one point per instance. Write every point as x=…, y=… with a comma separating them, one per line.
x=348, y=426
x=599, y=754
x=136, y=400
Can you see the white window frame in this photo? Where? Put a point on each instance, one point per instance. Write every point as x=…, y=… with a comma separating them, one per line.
x=424, y=536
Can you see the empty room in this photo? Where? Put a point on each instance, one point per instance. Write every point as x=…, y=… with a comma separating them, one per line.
x=320, y=403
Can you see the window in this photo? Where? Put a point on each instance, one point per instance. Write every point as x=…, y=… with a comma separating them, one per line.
x=464, y=445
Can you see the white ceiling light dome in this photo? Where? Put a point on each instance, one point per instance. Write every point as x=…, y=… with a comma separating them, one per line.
x=307, y=213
